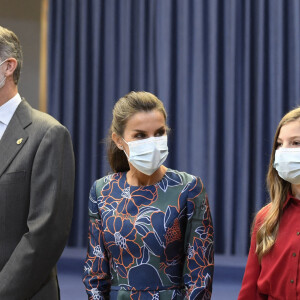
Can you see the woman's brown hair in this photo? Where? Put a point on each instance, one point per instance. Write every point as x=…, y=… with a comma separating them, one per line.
x=123, y=110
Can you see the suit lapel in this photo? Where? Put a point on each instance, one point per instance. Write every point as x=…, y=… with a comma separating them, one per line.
x=15, y=136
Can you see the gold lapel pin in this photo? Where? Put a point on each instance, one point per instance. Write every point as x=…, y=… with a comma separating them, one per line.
x=19, y=141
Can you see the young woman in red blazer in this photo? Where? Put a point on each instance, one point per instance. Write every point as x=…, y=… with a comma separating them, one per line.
x=272, y=270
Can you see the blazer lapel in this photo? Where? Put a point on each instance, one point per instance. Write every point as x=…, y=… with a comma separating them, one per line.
x=15, y=136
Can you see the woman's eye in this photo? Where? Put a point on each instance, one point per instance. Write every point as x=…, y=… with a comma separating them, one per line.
x=160, y=133
x=296, y=143
x=278, y=145
x=140, y=136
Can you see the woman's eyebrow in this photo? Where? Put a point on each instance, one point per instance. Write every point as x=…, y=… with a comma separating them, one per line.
x=161, y=128
x=291, y=137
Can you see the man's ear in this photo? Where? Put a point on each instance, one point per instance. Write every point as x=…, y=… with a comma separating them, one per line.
x=10, y=66
x=117, y=140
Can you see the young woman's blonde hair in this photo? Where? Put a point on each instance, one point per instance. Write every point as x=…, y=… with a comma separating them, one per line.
x=278, y=190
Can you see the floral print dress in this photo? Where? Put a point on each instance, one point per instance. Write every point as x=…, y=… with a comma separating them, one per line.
x=149, y=242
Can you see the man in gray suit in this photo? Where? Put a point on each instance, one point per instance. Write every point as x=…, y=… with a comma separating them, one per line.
x=36, y=187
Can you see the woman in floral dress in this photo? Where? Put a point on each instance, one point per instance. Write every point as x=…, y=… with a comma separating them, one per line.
x=150, y=229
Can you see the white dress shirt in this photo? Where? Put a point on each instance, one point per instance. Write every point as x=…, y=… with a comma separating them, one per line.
x=7, y=110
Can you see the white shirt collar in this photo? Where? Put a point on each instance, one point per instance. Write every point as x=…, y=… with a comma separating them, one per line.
x=8, y=109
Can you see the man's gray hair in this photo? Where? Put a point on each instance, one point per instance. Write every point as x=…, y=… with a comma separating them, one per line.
x=10, y=47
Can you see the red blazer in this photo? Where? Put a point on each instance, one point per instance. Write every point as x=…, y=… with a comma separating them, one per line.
x=277, y=277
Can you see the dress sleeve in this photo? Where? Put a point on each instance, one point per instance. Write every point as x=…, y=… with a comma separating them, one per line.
x=249, y=285
x=199, y=258
x=96, y=276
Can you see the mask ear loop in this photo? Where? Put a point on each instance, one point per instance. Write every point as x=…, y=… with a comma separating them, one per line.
x=122, y=148
x=4, y=77
x=2, y=81
x=3, y=62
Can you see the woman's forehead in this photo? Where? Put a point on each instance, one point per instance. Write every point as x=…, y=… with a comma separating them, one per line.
x=143, y=119
x=290, y=129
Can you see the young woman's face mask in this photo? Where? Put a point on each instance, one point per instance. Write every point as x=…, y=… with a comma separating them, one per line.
x=287, y=164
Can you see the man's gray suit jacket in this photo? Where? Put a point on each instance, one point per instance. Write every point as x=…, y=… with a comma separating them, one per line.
x=36, y=203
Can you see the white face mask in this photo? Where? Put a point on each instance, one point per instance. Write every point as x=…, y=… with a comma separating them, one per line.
x=148, y=155
x=287, y=164
x=2, y=82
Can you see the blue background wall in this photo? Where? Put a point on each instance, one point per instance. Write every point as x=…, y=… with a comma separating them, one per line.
x=226, y=71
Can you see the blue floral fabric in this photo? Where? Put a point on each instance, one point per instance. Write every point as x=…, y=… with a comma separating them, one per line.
x=149, y=242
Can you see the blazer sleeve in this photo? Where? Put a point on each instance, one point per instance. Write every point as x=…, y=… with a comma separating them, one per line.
x=49, y=216
x=249, y=289
x=199, y=247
